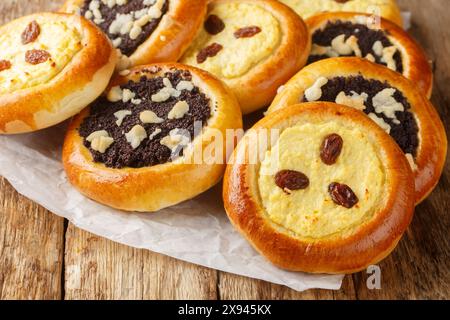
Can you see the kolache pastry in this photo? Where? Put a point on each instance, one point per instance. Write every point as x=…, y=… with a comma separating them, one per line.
x=144, y=31
x=155, y=138
x=383, y=42
x=388, y=98
x=387, y=9
x=51, y=66
x=331, y=193
x=253, y=46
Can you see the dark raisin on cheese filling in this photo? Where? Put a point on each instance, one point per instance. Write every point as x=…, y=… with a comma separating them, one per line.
x=384, y=104
x=345, y=38
x=128, y=23
x=145, y=123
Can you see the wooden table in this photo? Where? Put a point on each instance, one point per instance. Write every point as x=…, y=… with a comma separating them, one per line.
x=42, y=256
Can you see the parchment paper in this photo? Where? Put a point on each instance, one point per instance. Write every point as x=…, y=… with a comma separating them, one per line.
x=196, y=231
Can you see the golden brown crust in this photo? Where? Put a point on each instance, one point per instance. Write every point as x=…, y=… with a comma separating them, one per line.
x=77, y=85
x=156, y=187
x=256, y=89
x=415, y=63
x=388, y=9
x=342, y=253
x=173, y=35
x=432, y=148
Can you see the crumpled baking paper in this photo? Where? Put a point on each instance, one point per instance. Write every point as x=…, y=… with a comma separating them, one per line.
x=196, y=231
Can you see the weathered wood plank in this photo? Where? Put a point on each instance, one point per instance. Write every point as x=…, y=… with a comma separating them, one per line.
x=168, y=278
x=31, y=248
x=347, y=291
x=420, y=266
x=232, y=286
x=97, y=268
x=31, y=238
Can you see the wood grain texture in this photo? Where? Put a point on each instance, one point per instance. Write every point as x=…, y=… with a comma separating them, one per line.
x=420, y=266
x=96, y=268
x=34, y=247
x=31, y=248
x=31, y=238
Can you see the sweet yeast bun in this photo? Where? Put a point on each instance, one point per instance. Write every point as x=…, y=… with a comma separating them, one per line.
x=254, y=46
x=315, y=209
x=161, y=34
x=388, y=98
x=52, y=65
x=387, y=9
x=125, y=150
x=382, y=41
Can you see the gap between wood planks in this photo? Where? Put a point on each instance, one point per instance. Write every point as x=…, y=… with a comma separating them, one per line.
x=33, y=238
x=63, y=262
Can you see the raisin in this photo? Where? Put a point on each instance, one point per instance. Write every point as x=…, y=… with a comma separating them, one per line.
x=208, y=52
x=214, y=25
x=341, y=1
x=4, y=65
x=31, y=32
x=331, y=149
x=247, y=32
x=290, y=180
x=342, y=195
x=36, y=56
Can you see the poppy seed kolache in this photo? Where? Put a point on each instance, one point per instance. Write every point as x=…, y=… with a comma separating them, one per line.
x=51, y=66
x=387, y=98
x=387, y=9
x=253, y=46
x=144, y=31
x=153, y=140
x=330, y=193
x=380, y=41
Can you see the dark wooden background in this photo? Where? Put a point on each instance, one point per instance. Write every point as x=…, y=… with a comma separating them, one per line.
x=44, y=257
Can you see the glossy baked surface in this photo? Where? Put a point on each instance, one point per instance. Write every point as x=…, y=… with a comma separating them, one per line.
x=146, y=187
x=322, y=216
x=428, y=155
x=145, y=31
x=238, y=56
x=52, y=65
x=383, y=42
x=254, y=46
x=57, y=37
x=386, y=8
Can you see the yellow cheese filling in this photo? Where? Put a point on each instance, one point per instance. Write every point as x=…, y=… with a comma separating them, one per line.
x=59, y=39
x=311, y=213
x=238, y=56
x=308, y=8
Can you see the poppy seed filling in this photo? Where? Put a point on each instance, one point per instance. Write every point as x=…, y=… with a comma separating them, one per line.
x=384, y=104
x=142, y=129
x=367, y=40
x=127, y=23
